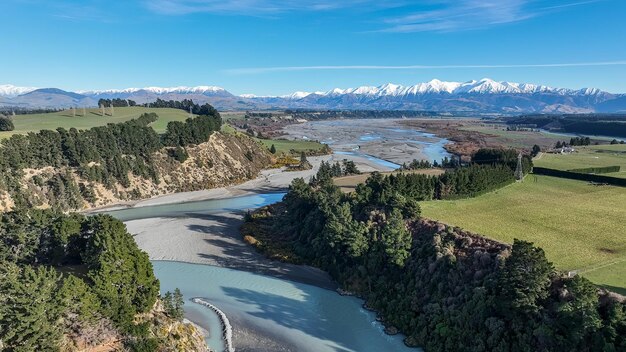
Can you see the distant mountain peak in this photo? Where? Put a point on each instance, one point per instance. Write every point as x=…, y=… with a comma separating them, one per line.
x=159, y=90
x=10, y=91
x=474, y=96
x=436, y=86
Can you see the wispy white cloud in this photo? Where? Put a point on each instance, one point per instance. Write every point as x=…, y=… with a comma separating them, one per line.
x=456, y=15
x=420, y=16
x=257, y=7
x=257, y=70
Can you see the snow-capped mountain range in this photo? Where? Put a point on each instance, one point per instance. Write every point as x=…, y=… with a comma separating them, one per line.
x=10, y=91
x=157, y=90
x=483, y=86
x=483, y=95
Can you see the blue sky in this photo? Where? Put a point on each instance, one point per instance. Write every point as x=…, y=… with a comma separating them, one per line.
x=279, y=46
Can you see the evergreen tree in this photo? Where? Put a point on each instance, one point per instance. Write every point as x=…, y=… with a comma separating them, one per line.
x=273, y=149
x=536, y=150
x=525, y=278
x=29, y=308
x=395, y=238
x=6, y=124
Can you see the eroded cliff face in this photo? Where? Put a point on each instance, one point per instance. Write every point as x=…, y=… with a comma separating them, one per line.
x=222, y=160
x=101, y=336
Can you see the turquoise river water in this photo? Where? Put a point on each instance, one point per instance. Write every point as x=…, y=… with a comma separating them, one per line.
x=305, y=317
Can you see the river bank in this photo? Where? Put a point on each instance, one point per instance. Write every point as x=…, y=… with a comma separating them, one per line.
x=387, y=139
x=269, y=180
x=202, y=227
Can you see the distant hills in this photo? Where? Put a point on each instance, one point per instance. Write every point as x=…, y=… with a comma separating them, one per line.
x=482, y=96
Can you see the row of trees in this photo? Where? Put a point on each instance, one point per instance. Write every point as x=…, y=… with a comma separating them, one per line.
x=116, y=102
x=64, y=272
x=186, y=104
x=445, y=289
x=593, y=124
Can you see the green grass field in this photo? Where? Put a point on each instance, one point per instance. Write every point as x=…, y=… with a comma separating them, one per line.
x=285, y=146
x=50, y=121
x=590, y=156
x=516, y=139
x=580, y=226
x=282, y=146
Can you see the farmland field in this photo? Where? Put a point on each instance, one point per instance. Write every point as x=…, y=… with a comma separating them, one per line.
x=282, y=146
x=285, y=146
x=497, y=134
x=50, y=121
x=590, y=156
x=580, y=226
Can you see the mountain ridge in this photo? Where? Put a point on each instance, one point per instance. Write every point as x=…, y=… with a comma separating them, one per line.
x=485, y=95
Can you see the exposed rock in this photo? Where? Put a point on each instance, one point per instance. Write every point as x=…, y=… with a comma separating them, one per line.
x=223, y=160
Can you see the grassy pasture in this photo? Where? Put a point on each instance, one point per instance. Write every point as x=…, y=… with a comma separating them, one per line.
x=589, y=156
x=580, y=226
x=50, y=121
x=282, y=146
x=497, y=134
x=285, y=146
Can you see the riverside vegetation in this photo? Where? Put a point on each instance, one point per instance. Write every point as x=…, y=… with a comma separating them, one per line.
x=70, y=282
x=446, y=289
x=74, y=169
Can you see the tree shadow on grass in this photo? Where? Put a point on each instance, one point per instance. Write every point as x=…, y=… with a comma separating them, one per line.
x=616, y=289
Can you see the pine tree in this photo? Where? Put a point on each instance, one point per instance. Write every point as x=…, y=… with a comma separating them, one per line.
x=173, y=304
x=29, y=308
x=273, y=149
x=525, y=278
x=179, y=302
x=396, y=238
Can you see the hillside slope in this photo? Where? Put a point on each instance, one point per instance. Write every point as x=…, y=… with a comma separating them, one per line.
x=222, y=160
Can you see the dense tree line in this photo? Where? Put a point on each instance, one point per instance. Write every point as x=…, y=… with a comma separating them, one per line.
x=578, y=141
x=192, y=131
x=417, y=165
x=453, y=184
x=104, y=154
x=508, y=157
x=116, y=102
x=17, y=110
x=445, y=289
x=593, y=124
x=64, y=271
x=185, y=104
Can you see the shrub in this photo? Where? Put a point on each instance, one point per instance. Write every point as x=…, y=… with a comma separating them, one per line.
x=179, y=154
x=6, y=124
